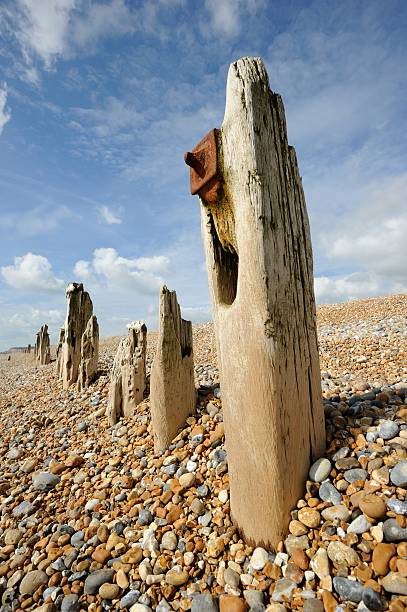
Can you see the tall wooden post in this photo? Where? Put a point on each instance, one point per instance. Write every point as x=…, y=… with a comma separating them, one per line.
x=172, y=386
x=259, y=259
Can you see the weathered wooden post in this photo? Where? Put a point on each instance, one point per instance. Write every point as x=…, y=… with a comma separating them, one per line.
x=128, y=377
x=259, y=260
x=79, y=311
x=42, y=346
x=89, y=354
x=172, y=386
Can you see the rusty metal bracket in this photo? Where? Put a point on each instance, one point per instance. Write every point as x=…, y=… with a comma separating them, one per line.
x=204, y=174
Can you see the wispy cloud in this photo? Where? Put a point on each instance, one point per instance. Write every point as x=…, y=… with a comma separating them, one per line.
x=106, y=215
x=5, y=113
x=36, y=221
x=32, y=273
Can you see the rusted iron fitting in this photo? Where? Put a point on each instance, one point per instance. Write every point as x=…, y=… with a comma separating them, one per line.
x=204, y=173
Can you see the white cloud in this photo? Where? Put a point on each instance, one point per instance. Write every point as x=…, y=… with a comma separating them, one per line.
x=226, y=15
x=32, y=273
x=20, y=328
x=53, y=29
x=81, y=269
x=5, y=113
x=43, y=28
x=106, y=215
x=137, y=274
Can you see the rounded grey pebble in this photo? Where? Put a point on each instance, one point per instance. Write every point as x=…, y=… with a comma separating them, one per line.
x=388, y=430
x=348, y=590
x=359, y=525
x=204, y=602
x=372, y=599
x=397, y=506
x=327, y=492
x=129, y=599
x=355, y=474
x=398, y=475
x=145, y=517
x=393, y=532
x=70, y=603
x=96, y=579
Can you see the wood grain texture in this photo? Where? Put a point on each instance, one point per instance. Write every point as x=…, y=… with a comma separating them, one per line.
x=128, y=376
x=261, y=280
x=172, y=387
x=89, y=354
x=79, y=311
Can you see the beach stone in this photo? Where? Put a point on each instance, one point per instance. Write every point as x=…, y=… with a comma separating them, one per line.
x=393, y=532
x=44, y=481
x=23, y=509
x=95, y=580
x=70, y=603
x=145, y=517
x=320, y=563
x=231, y=578
x=140, y=607
x=395, y=583
x=313, y=605
x=253, y=598
x=397, y=506
x=32, y=581
x=109, y=591
x=382, y=553
x=320, y=470
x=310, y=517
x=204, y=602
x=12, y=536
x=373, y=506
x=231, y=603
x=340, y=554
x=355, y=475
x=176, y=576
x=398, y=475
x=388, y=430
x=348, y=590
x=327, y=492
x=339, y=512
x=359, y=525
x=169, y=541
x=259, y=558
x=283, y=590
x=373, y=600
x=291, y=542
x=215, y=547
x=129, y=599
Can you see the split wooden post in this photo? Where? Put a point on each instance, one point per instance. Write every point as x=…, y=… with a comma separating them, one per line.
x=128, y=377
x=259, y=260
x=172, y=386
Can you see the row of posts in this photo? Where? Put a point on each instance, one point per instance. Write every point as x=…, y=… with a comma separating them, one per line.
x=259, y=259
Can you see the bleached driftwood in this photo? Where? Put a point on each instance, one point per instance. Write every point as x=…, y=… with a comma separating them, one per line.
x=259, y=260
x=128, y=377
x=172, y=387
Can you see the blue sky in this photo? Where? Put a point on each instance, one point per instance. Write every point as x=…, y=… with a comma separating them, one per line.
x=98, y=102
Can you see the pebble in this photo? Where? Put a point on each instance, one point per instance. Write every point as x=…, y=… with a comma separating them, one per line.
x=259, y=558
x=320, y=563
x=373, y=506
x=70, y=603
x=348, y=590
x=395, y=583
x=204, y=602
x=44, y=481
x=388, y=430
x=340, y=553
x=283, y=590
x=320, y=470
x=393, y=532
x=355, y=475
x=398, y=475
x=359, y=525
x=109, y=591
x=176, y=576
x=339, y=512
x=32, y=581
x=382, y=553
x=95, y=580
x=327, y=492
